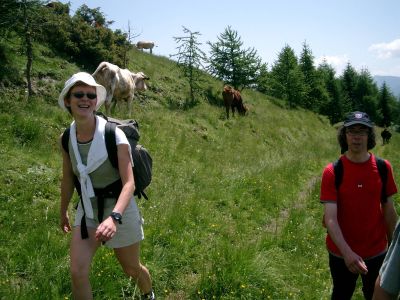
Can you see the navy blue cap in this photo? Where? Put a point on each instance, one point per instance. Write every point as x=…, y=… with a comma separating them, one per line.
x=358, y=117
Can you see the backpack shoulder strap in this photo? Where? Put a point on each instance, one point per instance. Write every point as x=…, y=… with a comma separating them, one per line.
x=338, y=170
x=383, y=173
x=382, y=168
x=65, y=139
x=111, y=143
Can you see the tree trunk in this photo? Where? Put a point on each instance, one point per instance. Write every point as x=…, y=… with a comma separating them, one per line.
x=29, y=50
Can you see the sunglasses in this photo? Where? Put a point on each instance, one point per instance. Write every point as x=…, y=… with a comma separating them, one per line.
x=80, y=95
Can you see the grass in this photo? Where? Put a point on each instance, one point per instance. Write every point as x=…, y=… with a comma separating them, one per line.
x=234, y=208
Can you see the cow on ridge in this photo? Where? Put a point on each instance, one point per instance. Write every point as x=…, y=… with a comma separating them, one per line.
x=119, y=83
x=145, y=45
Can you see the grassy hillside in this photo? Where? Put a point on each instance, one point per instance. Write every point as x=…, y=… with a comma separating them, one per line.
x=233, y=210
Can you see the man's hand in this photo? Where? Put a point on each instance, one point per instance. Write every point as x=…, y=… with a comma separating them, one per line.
x=355, y=263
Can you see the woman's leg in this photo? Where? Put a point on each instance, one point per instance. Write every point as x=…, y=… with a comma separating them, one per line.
x=128, y=257
x=81, y=253
x=380, y=293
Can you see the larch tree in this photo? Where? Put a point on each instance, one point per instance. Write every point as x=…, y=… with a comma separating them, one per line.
x=190, y=59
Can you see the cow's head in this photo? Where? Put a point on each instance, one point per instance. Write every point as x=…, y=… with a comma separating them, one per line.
x=245, y=109
x=140, y=81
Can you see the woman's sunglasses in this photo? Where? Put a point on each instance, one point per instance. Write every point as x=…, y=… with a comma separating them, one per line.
x=80, y=95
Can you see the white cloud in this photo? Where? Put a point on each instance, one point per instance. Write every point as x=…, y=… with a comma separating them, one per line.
x=386, y=50
x=338, y=62
x=388, y=71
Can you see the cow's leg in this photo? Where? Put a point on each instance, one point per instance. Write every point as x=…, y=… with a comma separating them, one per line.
x=129, y=104
x=108, y=107
x=113, y=104
x=227, y=111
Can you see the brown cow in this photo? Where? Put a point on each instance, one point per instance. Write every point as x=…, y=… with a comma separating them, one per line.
x=233, y=99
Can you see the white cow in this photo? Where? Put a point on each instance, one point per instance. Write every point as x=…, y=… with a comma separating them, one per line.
x=145, y=45
x=119, y=83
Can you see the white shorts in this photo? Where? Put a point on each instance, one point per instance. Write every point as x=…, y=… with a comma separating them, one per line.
x=128, y=233
x=390, y=270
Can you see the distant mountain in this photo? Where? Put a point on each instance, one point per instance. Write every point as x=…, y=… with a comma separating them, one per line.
x=393, y=82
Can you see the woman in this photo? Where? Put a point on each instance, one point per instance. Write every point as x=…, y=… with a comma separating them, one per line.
x=86, y=165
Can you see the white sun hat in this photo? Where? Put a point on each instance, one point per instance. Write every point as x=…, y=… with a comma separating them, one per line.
x=88, y=79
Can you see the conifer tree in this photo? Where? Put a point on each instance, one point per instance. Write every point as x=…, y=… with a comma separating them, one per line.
x=263, y=80
x=348, y=85
x=386, y=102
x=314, y=93
x=231, y=63
x=190, y=59
x=333, y=107
x=287, y=81
x=366, y=94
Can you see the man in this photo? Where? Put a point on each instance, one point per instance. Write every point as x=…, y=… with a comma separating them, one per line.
x=358, y=218
x=386, y=135
x=387, y=285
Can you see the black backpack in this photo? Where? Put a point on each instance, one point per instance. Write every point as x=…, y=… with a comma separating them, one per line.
x=143, y=163
x=382, y=169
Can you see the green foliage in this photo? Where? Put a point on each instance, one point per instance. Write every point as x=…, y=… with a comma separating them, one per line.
x=93, y=17
x=315, y=94
x=386, y=105
x=84, y=38
x=287, y=80
x=333, y=107
x=231, y=63
x=348, y=83
x=365, y=94
x=9, y=16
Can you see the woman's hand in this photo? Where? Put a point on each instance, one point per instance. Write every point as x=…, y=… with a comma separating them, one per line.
x=106, y=230
x=64, y=223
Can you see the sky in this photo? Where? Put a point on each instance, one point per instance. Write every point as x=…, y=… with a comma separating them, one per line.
x=364, y=33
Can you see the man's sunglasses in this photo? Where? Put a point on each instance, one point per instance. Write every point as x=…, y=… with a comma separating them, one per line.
x=80, y=95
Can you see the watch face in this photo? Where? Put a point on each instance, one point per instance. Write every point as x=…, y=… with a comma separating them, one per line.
x=116, y=217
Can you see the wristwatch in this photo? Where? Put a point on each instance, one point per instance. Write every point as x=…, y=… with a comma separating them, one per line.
x=116, y=217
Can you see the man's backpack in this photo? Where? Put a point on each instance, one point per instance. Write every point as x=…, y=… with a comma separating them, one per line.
x=382, y=169
x=142, y=161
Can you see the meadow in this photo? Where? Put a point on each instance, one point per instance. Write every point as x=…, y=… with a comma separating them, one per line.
x=233, y=209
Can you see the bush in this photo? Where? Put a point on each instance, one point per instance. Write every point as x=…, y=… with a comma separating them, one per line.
x=26, y=129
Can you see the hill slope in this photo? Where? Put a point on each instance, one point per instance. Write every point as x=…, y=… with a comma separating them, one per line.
x=233, y=210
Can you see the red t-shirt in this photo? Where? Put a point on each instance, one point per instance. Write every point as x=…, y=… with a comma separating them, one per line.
x=359, y=211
